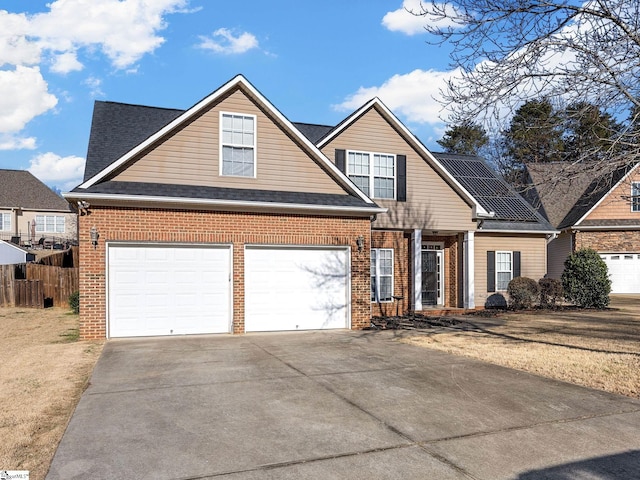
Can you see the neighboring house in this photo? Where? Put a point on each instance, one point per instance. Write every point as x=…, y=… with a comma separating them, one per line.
x=227, y=217
x=30, y=212
x=10, y=254
x=595, y=208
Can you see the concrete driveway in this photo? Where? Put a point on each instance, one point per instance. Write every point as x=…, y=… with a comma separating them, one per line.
x=331, y=405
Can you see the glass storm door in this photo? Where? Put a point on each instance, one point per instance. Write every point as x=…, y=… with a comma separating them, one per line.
x=432, y=263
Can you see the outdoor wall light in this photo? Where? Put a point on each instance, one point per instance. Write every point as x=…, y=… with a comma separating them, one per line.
x=94, y=237
x=360, y=243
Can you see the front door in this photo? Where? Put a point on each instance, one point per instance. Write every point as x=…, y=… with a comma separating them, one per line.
x=432, y=274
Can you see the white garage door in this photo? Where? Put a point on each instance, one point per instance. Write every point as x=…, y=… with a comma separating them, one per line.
x=296, y=288
x=168, y=290
x=624, y=271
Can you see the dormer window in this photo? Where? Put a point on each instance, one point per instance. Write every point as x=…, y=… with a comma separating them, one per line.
x=237, y=145
x=373, y=173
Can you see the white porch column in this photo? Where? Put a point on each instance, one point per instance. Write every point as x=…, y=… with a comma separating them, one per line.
x=469, y=270
x=416, y=241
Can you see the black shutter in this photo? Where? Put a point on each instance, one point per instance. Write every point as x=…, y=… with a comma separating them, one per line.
x=401, y=164
x=491, y=271
x=516, y=264
x=340, y=160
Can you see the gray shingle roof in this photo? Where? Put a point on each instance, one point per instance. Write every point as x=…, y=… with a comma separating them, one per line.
x=19, y=188
x=565, y=192
x=230, y=194
x=116, y=128
x=512, y=212
x=313, y=132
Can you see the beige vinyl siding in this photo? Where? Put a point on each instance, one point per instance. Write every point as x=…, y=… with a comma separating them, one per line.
x=617, y=204
x=557, y=252
x=24, y=217
x=190, y=156
x=533, y=258
x=431, y=204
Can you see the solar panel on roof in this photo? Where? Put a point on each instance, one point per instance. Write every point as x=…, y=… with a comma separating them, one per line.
x=492, y=192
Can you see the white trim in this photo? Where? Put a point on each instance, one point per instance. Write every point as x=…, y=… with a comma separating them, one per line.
x=221, y=204
x=439, y=251
x=371, y=156
x=469, y=272
x=478, y=209
x=3, y=216
x=340, y=177
x=597, y=204
x=221, y=144
x=517, y=232
x=605, y=227
x=378, y=275
x=13, y=245
x=497, y=252
x=417, y=269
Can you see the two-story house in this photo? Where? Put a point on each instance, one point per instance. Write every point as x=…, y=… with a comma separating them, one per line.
x=31, y=213
x=227, y=217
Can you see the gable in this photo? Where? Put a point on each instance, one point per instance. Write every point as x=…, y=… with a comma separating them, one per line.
x=190, y=155
x=616, y=205
x=431, y=201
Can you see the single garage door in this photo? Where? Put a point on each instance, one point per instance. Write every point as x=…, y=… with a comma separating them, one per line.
x=296, y=288
x=624, y=271
x=168, y=290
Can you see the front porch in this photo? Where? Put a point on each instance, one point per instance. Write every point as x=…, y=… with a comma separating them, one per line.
x=432, y=272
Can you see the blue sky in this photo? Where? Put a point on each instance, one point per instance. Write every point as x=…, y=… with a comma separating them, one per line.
x=315, y=61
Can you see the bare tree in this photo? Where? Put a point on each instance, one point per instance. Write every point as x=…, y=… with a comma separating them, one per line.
x=572, y=52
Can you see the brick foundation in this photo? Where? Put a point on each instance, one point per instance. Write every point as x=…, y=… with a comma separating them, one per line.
x=237, y=229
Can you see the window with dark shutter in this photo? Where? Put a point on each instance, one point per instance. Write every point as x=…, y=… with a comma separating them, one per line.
x=491, y=271
x=401, y=194
x=516, y=264
x=340, y=160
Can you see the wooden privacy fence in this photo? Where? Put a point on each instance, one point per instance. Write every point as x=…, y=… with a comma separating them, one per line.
x=36, y=286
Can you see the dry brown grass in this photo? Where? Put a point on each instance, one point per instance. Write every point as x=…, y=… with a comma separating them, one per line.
x=598, y=349
x=43, y=372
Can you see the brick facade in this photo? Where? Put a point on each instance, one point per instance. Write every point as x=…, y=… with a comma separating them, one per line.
x=237, y=229
x=400, y=242
x=609, y=241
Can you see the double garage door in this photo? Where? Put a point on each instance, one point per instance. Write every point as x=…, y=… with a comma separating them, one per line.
x=159, y=289
x=624, y=271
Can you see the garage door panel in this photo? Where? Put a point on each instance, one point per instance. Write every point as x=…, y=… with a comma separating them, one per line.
x=624, y=272
x=296, y=288
x=168, y=289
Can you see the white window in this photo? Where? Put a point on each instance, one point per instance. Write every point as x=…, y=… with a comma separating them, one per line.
x=373, y=173
x=381, y=275
x=238, y=144
x=504, y=269
x=49, y=224
x=635, y=196
x=5, y=222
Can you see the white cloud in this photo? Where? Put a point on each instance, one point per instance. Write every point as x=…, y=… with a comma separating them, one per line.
x=52, y=169
x=411, y=18
x=23, y=96
x=225, y=42
x=95, y=86
x=65, y=63
x=413, y=95
x=12, y=142
x=123, y=30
